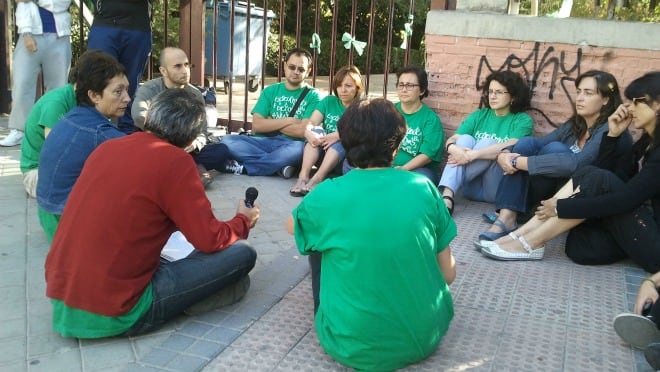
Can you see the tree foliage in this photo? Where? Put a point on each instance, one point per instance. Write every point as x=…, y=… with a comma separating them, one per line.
x=633, y=10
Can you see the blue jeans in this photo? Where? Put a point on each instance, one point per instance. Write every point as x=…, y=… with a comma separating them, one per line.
x=479, y=178
x=213, y=156
x=429, y=173
x=131, y=48
x=518, y=191
x=52, y=59
x=263, y=156
x=180, y=284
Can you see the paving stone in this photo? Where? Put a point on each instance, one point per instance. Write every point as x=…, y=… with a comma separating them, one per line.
x=116, y=353
x=235, y=359
x=64, y=361
x=509, y=316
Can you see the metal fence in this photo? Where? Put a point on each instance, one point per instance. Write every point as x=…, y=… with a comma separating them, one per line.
x=365, y=33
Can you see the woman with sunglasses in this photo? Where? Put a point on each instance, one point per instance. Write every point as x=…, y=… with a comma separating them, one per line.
x=473, y=149
x=421, y=148
x=321, y=133
x=535, y=168
x=609, y=218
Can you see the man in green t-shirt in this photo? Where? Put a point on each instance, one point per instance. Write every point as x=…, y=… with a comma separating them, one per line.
x=278, y=123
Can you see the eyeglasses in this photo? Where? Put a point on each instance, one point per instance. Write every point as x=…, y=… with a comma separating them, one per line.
x=294, y=68
x=637, y=100
x=496, y=92
x=406, y=86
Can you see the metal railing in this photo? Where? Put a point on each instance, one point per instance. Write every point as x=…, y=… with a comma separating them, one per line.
x=196, y=25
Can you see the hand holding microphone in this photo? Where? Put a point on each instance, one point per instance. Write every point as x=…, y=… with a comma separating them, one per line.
x=248, y=206
x=250, y=196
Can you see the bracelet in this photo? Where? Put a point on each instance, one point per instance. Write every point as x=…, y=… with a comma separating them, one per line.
x=650, y=281
x=449, y=144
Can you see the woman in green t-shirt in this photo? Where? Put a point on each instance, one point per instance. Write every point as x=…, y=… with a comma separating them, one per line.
x=472, y=151
x=321, y=134
x=421, y=148
x=384, y=296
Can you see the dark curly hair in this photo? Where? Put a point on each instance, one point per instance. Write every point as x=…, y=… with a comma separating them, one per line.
x=95, y=69
x=370, y=131
x=514, y=84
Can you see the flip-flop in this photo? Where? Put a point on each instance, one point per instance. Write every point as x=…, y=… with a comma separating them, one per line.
x=298, y=189
x=451, y=200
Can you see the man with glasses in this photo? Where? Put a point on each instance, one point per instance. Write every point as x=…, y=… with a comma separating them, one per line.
x=278, y=123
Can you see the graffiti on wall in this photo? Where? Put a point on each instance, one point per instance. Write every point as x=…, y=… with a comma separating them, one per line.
x=532, y=67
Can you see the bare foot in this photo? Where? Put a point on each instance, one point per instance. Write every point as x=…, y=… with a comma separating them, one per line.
x=298, y=188
x=311, y=184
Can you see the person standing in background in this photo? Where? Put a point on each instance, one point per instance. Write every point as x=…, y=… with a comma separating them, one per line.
x=122, y=28
x=44, y=46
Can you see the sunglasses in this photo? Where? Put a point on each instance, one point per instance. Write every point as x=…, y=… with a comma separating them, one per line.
x=637, y=100
x=294, y=68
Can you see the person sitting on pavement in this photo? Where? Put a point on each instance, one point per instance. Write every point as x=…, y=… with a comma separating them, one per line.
x=104, y=274
x=641, y=328
x=102, y=95
x=421, y=148
x=175, y=71
x=278, y=122
x=535, y=168
x=323, y=140
x=611, y=208
x=472, y=151
x=381, y=307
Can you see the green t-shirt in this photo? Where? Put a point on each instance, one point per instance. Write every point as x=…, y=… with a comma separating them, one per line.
x=383, y=301
x=332, y=109
x=72, y=322
x=483, y=124
x=424, y=136
x=276, y=102
x=45, y=113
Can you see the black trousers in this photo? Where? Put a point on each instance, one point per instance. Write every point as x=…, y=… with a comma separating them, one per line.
x=315, y=269
x=610, y=239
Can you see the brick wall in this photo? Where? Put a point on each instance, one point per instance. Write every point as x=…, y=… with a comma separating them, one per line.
x=458, y=66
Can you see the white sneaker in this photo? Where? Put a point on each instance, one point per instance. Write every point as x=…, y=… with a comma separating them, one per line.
x=287, y=172
x=232, y=166
x=13, y=138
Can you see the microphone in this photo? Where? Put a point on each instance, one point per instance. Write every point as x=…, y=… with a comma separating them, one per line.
x=250, y=196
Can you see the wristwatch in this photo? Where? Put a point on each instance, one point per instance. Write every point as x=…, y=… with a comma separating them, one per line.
x=514, y=162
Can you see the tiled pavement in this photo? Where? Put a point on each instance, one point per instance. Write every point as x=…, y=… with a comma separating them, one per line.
x=551, y=315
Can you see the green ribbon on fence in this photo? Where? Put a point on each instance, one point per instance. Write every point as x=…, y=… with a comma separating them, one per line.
x=350, y=41
x=407, y=32
x=316, y=43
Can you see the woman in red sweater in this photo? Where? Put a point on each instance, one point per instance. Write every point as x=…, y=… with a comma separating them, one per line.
x=104, y=273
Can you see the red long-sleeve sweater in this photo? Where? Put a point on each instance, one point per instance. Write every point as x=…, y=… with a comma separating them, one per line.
x=132, y=194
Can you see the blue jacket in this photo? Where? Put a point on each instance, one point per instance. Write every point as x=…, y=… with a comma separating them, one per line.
x=65, y=151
